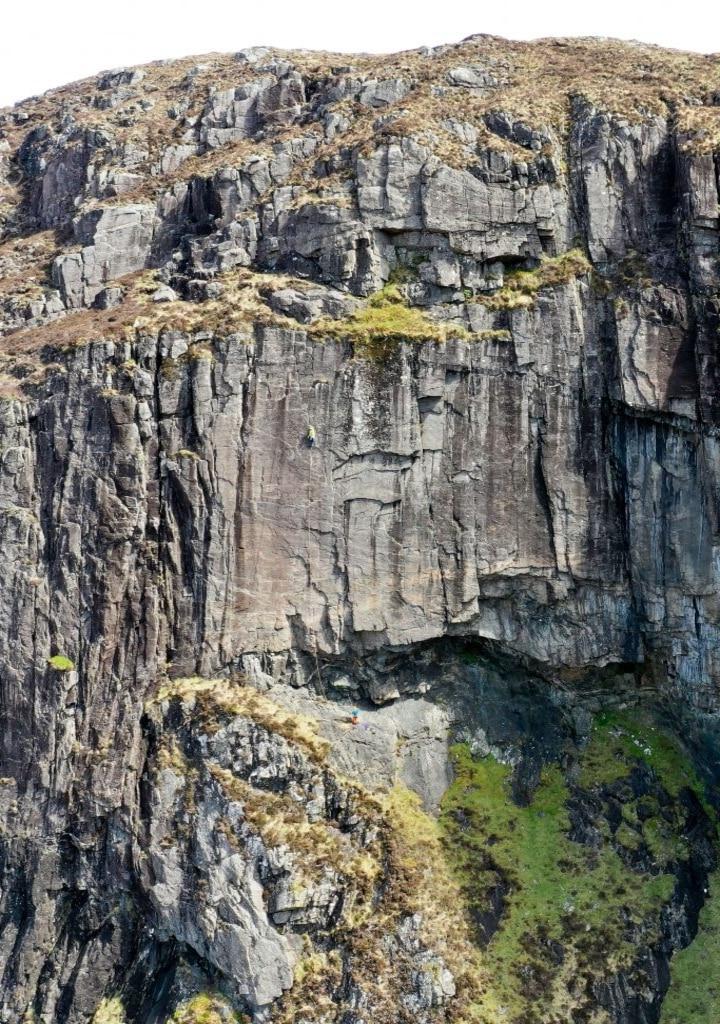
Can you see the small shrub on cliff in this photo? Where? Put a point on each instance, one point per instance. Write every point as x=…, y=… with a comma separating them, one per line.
x=206, y=1008
x=61, y=663
x=110, y=1011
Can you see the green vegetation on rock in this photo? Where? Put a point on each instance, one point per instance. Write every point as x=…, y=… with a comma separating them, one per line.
x=206, y=1008
x=384, y=322
x=555, y=914
x=620, y=737
x=61, y=663
x=110, y=1011
x=694, y=993
x=520, y=287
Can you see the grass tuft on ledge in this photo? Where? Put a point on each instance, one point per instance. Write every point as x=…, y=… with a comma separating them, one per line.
x=522, y=286
x=385, y=322
x=230, y=697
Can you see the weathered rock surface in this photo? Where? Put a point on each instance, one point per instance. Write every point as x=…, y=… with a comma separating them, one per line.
x=196, y=262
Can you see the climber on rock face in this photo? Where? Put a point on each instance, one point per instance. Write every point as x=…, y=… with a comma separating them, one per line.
x=311, y=436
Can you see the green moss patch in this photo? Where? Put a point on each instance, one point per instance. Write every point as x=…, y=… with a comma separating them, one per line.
x=694, y=993
x=556, y=914
x=620, y=738
x=61, y=663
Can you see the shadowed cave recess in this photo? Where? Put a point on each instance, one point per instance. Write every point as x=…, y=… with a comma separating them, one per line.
x=360, y=634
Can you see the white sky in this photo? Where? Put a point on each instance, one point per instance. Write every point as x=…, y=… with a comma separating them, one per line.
x=46, y=43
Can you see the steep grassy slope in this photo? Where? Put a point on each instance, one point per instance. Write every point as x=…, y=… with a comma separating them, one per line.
x=563, y=891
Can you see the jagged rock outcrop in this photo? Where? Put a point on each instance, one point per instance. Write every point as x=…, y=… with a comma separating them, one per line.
x=496, y=299
x=252, y=842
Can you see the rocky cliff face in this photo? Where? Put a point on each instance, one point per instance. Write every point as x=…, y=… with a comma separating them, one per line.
x=488, y=277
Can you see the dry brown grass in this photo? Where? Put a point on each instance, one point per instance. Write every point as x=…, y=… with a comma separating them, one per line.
x=701, y=125
x=163, y=84
x=420, y=882
x=238, y=308
x=416, y=881
x=316, y=846
x=399, y=870
x=25, y=263
x=230, y=697
x=538, y=81
x=318, y=975
x=376, y=328
x=78, y=328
